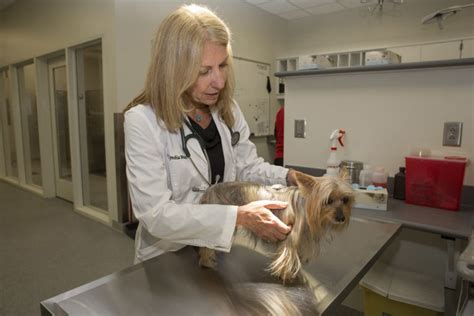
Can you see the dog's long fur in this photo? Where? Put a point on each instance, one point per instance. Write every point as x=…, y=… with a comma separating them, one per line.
x=316, y=206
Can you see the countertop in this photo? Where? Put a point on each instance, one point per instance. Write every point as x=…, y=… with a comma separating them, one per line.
x=173, y=284
x=452, y=224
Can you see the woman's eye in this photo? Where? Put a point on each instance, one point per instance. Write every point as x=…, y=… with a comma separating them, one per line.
x=203, y=72
x=223, y=66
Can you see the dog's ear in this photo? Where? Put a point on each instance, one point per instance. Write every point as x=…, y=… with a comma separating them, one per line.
x=344, y=174
x=305, y=182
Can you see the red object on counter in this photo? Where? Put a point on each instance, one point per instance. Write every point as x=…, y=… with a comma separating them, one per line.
x=434, y=182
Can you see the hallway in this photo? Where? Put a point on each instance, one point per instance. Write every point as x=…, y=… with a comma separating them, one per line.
x=46, y=249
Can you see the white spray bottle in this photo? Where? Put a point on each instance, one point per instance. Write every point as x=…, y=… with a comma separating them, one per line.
x=333, y=163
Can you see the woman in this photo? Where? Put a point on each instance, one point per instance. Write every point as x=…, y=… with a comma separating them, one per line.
x=187, y=99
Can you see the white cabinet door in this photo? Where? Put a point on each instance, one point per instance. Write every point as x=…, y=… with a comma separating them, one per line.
x=409, y=54
x=468, y=48
x=440, y=51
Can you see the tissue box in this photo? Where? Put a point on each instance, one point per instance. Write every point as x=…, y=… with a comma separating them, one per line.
x=313, y=62
x=382, y=57
x=371, y=199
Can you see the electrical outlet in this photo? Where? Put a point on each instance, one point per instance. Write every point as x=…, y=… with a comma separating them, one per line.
x=452, y=134
x=300, y=128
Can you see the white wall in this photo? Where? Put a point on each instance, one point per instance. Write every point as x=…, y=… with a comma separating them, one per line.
x=32, y=28
x=356, y=29
x=385, y=114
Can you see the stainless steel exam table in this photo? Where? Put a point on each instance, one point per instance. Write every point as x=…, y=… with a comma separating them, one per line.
x=173, y=284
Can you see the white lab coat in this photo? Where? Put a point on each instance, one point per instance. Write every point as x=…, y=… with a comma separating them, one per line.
x=161, y=178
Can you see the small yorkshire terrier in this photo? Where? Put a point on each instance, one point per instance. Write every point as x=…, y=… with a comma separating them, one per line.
x=316, y=206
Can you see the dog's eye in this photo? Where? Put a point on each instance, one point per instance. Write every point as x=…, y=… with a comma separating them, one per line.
x=345, y=200
x=329, y=201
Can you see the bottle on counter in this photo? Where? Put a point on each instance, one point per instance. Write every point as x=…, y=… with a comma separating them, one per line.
x=379, y=177
x=365, y=176
x=333, y=162
x=399, y=184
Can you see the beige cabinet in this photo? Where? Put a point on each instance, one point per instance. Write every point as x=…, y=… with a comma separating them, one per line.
x=468, y=48
x=441, y=51
x=436, y=51
x=409, y=54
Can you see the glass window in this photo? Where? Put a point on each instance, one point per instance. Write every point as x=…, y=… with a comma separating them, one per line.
x=91, y=124
x=29, y=124
x=62, y=122
x=8, y=132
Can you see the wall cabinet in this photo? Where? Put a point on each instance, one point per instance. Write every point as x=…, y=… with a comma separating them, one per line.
x=468, y=48
x=409, y=54
x=436, y=51
x=449, y=50
x=441, y=51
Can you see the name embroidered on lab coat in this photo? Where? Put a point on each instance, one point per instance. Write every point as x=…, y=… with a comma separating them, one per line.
x=177, y=157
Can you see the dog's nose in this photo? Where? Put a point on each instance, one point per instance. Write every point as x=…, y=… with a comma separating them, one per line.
x=340, y=215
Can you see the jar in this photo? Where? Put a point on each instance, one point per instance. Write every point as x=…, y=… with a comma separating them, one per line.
x=379, y=177
x=365, y=176
x=353, y=168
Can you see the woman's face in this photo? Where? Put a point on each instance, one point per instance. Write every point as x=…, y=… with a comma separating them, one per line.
x=212, y=75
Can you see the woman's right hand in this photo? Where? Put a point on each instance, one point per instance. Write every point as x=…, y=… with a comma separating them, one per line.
x=258, y=218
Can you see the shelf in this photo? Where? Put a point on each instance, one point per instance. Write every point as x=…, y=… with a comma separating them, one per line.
x=287, y=64
x=402, y=66
x=343, y=60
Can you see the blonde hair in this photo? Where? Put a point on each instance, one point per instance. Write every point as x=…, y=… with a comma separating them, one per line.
x=175, y=64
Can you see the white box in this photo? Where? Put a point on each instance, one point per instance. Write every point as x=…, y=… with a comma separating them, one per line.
x=409, y=287
x=313, y=62
x=371, y=199
x=381, y=57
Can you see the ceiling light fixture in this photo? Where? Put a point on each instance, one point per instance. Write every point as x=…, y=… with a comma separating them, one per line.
x=378, y=7
x=441, y=15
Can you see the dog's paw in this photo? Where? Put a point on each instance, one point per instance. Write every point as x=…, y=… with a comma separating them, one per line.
x=207, y=258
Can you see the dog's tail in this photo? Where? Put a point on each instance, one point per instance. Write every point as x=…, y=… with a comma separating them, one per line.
x=286, y=264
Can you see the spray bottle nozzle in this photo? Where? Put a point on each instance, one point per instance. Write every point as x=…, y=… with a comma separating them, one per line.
x=341, y=135
x=337, y=134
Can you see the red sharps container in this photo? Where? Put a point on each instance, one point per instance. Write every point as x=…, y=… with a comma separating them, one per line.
x=434, y=182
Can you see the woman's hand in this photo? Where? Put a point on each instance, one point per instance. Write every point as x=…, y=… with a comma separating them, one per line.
x=258, y=218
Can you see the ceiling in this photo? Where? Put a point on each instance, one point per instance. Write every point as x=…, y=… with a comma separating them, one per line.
x=295, y=9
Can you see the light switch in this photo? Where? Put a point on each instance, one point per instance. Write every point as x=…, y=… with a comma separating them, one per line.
x=300, y=128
